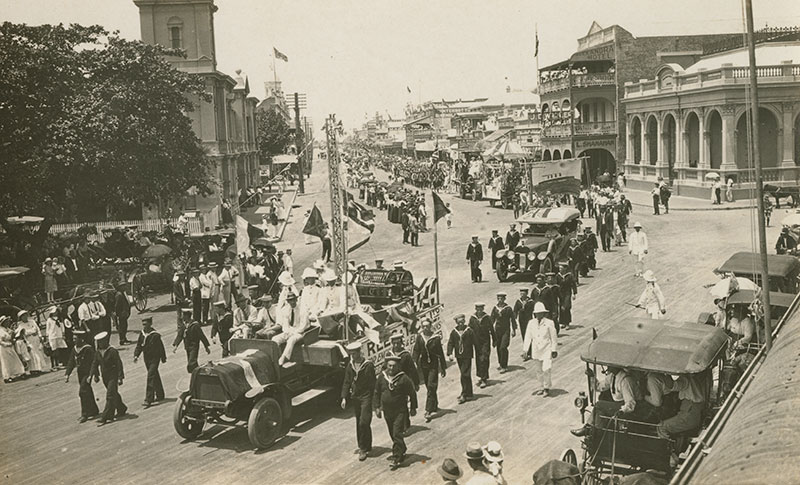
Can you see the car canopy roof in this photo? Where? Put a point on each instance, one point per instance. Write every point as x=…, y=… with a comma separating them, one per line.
x=745, y=263
x=657, y=345
x=776, y=298
x=550, y=215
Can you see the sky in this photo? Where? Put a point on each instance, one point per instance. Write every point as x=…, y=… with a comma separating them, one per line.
x=358, y=57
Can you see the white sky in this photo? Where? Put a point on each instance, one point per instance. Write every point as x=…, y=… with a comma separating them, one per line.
x=353, y=57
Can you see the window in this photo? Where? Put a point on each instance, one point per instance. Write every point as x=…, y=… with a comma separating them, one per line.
x=175, y=40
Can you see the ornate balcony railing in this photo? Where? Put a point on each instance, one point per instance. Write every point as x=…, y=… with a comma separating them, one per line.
x=596, y=128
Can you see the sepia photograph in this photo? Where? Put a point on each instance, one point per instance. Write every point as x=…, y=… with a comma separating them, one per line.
x=411, y=242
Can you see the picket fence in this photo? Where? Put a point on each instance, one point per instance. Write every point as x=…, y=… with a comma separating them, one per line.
x=195, y=226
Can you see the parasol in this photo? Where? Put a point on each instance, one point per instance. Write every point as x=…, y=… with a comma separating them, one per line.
x=11, y=271
x=726, y=286
x=261, y=242
x=156, y=251
x=25, y=219
x=712, y=176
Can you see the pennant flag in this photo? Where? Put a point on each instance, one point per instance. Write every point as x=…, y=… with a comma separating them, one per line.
x=245, y=233
x=358, y=233
x=536, y=49
x=409, y=89
x=280, y=55
x=439, y=208
x=315, y=225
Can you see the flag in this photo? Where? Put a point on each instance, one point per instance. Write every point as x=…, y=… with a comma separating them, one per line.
x=315, y=225
x=439, y=208
x=425, y=296
x=536, y=49
x=280, y=55
x=409, y=89
x=358, y=233
x=245, y=234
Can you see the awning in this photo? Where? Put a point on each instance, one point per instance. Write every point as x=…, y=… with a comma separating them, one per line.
x=285, y=159
x=496, y=135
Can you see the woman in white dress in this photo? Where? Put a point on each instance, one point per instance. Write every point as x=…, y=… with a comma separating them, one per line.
x=33, y=337
x=10, y=364
x=55, y=338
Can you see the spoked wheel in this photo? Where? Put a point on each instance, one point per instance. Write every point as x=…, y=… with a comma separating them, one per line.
x=139, y=292
x=265, y=424
x=188, y=427
x=502, y=271
x=569, y=456
x=546, y=266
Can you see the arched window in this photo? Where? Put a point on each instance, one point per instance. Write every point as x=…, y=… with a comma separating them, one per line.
x=175, y=28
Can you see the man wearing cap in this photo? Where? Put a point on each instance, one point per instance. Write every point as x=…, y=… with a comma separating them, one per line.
x=358, y=387
x=638, y=247
x=407, y=364
x=505, y=327
x=195, y=292
x=568, y=290
x=475, y=257
x=180, y=291
x=378, y=264
x=108, y=364
x=429, y=357
x=206, y=286
x=395, y=399
x=538, y=287
x=82, y=359
x=591, y=247
x=512, y=237
x=152, y=347
x=192, y=335
x=122, y=311
x=475, y=456
x=292, y=328
x=482, y=328
x=495, y=244
x=550, y=296
x=651, y=299
x=222, y=326
x=541, y=342
x=462, y=343
x=523, y=310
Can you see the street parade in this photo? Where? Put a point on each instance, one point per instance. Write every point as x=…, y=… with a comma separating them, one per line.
x=579, y=271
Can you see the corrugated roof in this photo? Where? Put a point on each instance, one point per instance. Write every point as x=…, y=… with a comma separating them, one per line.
x=770, y=54
x=761, y=441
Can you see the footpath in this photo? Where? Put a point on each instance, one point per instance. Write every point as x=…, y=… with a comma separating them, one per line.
x=680, y=203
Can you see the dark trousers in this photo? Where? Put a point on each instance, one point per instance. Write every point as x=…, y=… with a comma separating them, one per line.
x=430, y=377
x=197, y=306
x=475, y=270
x=665, y=201
x=482, y=354
x=395, y=421
x=502, y=349
x=114, y=404
x=326, y=250
x=122, y=328
x=465, y=370
x=592, y=260
x=605, y=239
x=655, y=205
x=590, y=207
x=363, y=411
x=191, y=359
x=494, y=260
x=224, y=344
x=86, y=394
x=155, y=389
x=718, y=195
x=415, y=239
x=622, y=223
x=523, y=326
x=406, y=233
x=205, y=304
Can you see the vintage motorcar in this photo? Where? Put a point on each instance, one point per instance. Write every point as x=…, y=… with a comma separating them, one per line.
x=546, y=233
x=622, y=445
x=783, y=270
x=384, y=286
x=250, y=387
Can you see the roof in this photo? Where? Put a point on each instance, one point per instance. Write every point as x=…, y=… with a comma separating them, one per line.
x=776, y=298
x=547, y=215
x=497, y=134
x=759, y=441
x=657, y=345
x=745, y=263
x=769, y=54
x=417, y=120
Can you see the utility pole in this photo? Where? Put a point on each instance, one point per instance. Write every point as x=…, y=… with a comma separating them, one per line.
x=762, y=237
x=298, y=142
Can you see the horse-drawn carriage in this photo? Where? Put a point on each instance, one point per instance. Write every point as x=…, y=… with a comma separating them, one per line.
x=618, y=443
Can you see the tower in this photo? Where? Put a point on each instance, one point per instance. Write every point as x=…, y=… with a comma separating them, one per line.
x=184, y=24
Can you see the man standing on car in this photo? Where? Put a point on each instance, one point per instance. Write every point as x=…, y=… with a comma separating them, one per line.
x=358, y=387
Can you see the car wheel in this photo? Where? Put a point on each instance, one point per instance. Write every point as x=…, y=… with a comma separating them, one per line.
x=188, y=427
x=569, y=456
x=502, y=271
x=265, y=424
x=546, y=266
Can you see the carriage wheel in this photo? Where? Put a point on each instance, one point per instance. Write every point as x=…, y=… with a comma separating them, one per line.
x=569, y=456
x=186, y=427
x=139, y=292
x=265, y=424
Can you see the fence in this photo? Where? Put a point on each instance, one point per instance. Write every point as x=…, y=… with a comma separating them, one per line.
x=195, y=226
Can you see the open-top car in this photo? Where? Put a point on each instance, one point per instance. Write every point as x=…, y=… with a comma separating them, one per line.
x=783, y=270
x=546, y=235
x=618, y=443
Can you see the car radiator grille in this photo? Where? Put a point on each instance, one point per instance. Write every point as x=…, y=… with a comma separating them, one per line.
x=209, y=388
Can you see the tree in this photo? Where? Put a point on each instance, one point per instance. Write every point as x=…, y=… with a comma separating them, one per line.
x=91, y=120
x=273, y=134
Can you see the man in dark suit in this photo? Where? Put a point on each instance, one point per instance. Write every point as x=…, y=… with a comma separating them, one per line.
x=122, y=311
x=152, y=347
x=82, y=359
x=495, y=244
x=462, y=343
x=108, y=364
x=475, y=257
x=568, y=290
x=429, y=357
x=358, y=387
x=605, y=227
x=591, y=248
x=481, y=324
x=222, y=326
x=191, y=335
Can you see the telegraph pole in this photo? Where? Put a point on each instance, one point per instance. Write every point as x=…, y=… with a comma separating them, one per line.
x=298, y=142
x=762, y=238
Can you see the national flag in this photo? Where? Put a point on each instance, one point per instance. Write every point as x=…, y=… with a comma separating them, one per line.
x=363, y=222
x=279, y=55
x=426, y=294
x=315, y=225
x=536, y=49
x=245, y=234
x=439, y=208
x=409, y=89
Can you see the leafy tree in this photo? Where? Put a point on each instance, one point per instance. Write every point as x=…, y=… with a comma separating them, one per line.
x=273, y=134
x=90, y=121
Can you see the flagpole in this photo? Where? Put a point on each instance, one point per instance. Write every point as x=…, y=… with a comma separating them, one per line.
x=274, y=72
x=436, y=250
